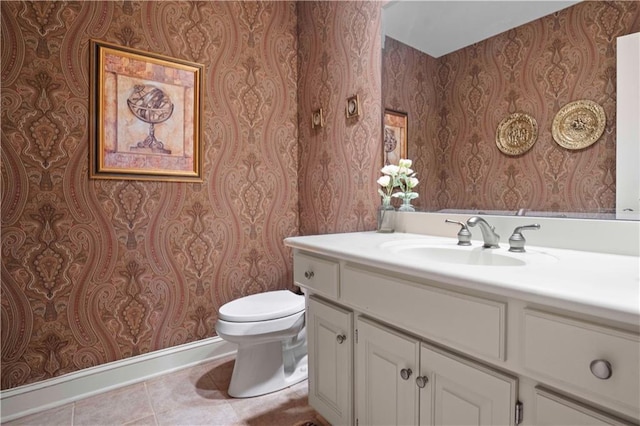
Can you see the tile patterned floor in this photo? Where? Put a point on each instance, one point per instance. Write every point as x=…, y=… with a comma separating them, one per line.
x=193, y=396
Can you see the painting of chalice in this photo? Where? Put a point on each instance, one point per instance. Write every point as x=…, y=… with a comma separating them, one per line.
x=145, y=113
x=152, y=106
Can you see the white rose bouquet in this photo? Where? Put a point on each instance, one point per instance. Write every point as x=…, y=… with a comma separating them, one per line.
x=388, y=181
x=406, y=182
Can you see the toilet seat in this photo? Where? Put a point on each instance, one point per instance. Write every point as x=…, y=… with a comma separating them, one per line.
x=262, y=307
x=285, y=326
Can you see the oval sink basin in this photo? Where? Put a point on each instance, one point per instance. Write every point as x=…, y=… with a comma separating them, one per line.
x=465, y=255
x=472, y=256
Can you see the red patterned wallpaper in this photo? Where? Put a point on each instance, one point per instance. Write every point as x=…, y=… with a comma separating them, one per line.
x=95, y=271
x=536, y=68
x=340, y=56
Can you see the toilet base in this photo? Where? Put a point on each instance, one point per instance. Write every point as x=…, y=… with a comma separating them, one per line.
x=260, y=369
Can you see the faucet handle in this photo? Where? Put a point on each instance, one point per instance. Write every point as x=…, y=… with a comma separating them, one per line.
x=464, y=236
x=516, y=240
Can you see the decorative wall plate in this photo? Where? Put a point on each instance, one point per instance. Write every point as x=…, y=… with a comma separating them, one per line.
x=578, y=124
x=517, y=133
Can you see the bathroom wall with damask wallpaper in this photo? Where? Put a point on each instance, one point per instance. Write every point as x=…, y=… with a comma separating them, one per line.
x=537, y=68
x=340, y=56
x=95, y=271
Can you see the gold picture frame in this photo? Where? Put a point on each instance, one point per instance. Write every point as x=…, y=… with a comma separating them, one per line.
x=317, y=119
x=353, y=106
x=146, y=115
x=395, y=136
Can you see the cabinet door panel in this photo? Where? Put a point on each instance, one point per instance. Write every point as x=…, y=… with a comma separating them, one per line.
x=461, y=392
x=552, y=409
x=330, y=360
x=384, y=397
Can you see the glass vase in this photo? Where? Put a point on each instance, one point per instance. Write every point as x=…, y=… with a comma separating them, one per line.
x=406, y=205
x=386, y=219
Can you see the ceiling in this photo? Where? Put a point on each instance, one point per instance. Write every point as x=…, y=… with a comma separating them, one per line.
x=441, y=27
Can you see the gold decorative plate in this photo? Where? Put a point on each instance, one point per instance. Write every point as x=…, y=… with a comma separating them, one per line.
x=517, y=133
x=578, y=124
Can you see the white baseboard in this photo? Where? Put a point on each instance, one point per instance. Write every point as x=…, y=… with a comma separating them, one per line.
x=51, y=393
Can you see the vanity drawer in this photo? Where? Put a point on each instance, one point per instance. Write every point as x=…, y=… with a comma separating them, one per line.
x=561, y=350
x=316, y=273
x=460, y=321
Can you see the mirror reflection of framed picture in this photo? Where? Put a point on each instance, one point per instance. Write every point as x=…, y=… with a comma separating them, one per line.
x=394, y=136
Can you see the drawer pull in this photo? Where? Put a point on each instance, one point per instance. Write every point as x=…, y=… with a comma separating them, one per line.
x=308, y=274
x=601, y=369
x=405, y=373
x=341, y=338
x=422, y=381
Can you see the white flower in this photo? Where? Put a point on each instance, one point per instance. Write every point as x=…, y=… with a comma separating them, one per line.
x=384, y=180
x=390, y=170
x=400, y=176
x=404, y=163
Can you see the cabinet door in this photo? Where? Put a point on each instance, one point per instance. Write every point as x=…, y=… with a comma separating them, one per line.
x=551, y=409
x=386, y=364
x=330, y=355
x=461, y=392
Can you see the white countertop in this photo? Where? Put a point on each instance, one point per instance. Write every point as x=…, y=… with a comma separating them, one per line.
x=603, y=285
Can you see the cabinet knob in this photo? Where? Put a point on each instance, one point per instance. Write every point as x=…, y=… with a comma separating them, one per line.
x=405, y=373
x=308, y=274
x=341, y=338
x=422, y=381
x=601, y=368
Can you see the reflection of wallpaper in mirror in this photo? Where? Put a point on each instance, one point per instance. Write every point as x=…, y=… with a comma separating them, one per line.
x=457, y=101
x=395, y=136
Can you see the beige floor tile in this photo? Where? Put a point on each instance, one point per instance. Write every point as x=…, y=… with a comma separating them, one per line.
x=301, y=388
x=188, y=389
x=113, y=408
x=61, y=416
x=220, y=414
x=193, y=396
x=286, y=407
x=290, y=412
x=221, y=372
x=146, y=421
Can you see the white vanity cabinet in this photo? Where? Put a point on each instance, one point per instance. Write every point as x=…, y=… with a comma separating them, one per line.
x=330, y=349
x=403, y=381
x=386, y=366
x=459, y=391
x=393, y=348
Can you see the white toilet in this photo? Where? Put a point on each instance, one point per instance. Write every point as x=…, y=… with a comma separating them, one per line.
x=269, y=329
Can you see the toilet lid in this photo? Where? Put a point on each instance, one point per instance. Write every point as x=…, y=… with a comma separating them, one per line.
x=262, y=306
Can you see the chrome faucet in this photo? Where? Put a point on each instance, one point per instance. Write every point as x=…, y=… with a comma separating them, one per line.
x=491, y=239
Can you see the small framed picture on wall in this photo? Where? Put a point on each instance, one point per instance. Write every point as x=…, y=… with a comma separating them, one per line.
x=395, y=136
x=317, y=119
x=353, y=106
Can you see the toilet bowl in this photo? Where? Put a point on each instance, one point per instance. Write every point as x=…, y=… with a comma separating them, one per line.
x=269, y=329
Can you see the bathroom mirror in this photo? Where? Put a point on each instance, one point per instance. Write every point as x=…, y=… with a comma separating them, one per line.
x=486, y=60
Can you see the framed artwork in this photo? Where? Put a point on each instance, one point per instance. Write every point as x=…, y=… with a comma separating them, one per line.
x=395, y=136
x=353, y=106
x=145, y=115
x=317, y=119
